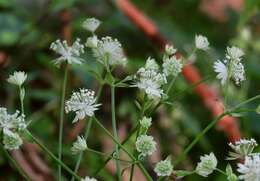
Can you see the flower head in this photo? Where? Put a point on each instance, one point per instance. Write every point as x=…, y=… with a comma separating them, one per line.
x=242, y=148
x=201, y=42
x=11, y=140
x=234, y=53
x=69, y=54
x=18, y=78
x=146, y=122
x=172, y=66
x=169, y=50
x=88, y=179
x=207, y=165
x=221, y=70
x=164, y=168
x=91, y=24
x=151, y=64
x=250, y=169
x=83, y=103
x=92, y=42
x=145, y=145
x=14, y=122
x=109, y=52
x=79, y=146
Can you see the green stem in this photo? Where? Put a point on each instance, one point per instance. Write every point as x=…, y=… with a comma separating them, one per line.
x=21, y=99
x=115, y=131
x=45, y=149
x=220, y=171
x=15, y=164
x=148, y=177
x=64, y=84
x=170, y=86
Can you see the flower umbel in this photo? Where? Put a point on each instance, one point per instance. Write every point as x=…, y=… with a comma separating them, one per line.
x=164, y=168
x=109, y=52
x=242, y=148
x=11, y=140
x=88, y=179
x=69, y=54
x=82, y=103
x=207, y=165
x=79, y=146
x=18, y=78
x=172, y=66
x=91, y=24
x=250, y=169
x=201, y=42
x=145, y=145
x=146, y=122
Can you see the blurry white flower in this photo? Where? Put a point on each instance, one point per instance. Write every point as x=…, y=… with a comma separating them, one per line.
x=151, y=64
x=221, y=70
x=172, y=66
x=109, y=52
x=250, y=169
x=201, y=42
x=169, y=50
x=145, y=145
x=242, y=148
x=246, y=34
x=234, y=53
x=91, y=24
x=207, y=165
x=92, y=42
x=82, y=103
x=14, y=122
x=79, y=146
x=146, y=122
x=238, y=72
x=17, y=78
x=88, y=179
x=69, y=54
x=164, y=168
x=11, y=140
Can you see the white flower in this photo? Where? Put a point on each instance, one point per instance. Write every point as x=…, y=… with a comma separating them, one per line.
x=14, y=122
x=234, y=53
x=109, y=52
x=146, y=122
x=221, y=69
x=250, y=169
x=201, y=42
x=172, y=66
x=69, y=54
x=207, y=165
x=79, y=146
x=169, y=50
x=11, y=140
x=151, y=64
x=145, y=145
x=151, y=82
x=91, y=24
x=88, y=179
x=238, y=72
x=164, y=168
x=242, y=148
x=92, y=42
x=18, y=78
x=83, y=103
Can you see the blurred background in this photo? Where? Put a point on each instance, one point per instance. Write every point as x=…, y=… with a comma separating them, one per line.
x=27, y=28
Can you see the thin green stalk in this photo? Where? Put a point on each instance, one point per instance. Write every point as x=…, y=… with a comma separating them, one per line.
x=220, y=171
x=171, y=85
x=148, y=177
x=21, y=98
x=132, y=132
x=64, y=85
x=115, y=130
x=45, y=149
x=14, y=163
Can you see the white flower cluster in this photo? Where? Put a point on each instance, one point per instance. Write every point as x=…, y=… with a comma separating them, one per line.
x=164, y=167
x=79, y=145
x=207, y=165
x=145, y=145
x=201, y=42
x=11, y=125
x=146, y=122
x=150, y=80
x=172, y=66
x=88, y=179
x=18, y=78
x=91, y=24
x=82, y=103
x=231, y=67
x=69, y=54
